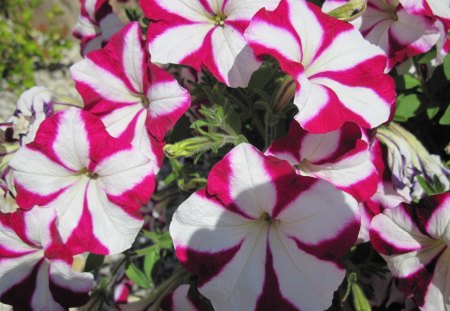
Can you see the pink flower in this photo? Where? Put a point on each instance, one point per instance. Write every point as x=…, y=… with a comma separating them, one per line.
x=392, y=27
x=339, y=75
x=136, y=100
x=340, y=157
x=413, y=240
x=96, y=24
x=35, y=267
x=95, y=182
x=262, y=237
x=204, y=33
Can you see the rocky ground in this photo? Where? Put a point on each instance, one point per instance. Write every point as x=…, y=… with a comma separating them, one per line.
x=58, y=81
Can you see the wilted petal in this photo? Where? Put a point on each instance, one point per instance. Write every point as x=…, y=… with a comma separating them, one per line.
x=416, y=258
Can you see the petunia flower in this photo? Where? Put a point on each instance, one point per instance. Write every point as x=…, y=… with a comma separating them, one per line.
x=95, y=25
x=339, y=75
x=35, y=266
x=204, y=33
x=438, y=10
x=340, y=157
x=413, y=239
x=434, y=8
x=95, y=182
x=135, y=99
x=261, y=237
x=408, y=160
x=389, y=25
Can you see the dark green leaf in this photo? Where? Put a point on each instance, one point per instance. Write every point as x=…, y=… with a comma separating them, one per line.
x=233, y=120
x=93, y=262
x=261, y=77
x=406, y=82
x=445, y=119
x=447, y=66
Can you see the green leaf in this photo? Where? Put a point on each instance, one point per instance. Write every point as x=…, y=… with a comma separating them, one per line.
x=149, y=262
x=425, y=185
x=162, y=240
x=447, y=66
x=360, y=301
x=233, y=120
x=432, y=112
x=261, y=77
x=445, y=119
x=407, y=107
x=406, y=82
x=137, y=276
x=427, y=57
x=438, y=186
x=93, y=262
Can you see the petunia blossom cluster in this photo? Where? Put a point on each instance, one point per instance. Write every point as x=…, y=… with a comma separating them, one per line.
x=247, y=147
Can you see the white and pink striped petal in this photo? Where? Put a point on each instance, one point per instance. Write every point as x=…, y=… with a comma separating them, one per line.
x=135, y=99
x=340, y=76
x=395, y=28
x=247, y=237
x=95, y=182
x=35, y=267
x=413, y=240
x=204, y=33
x=340, y=157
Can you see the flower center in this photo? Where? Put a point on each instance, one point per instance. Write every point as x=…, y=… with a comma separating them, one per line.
x=144, y=100
x=391, y=9
x=219, y=20
x=265, y=217
x=89, y=174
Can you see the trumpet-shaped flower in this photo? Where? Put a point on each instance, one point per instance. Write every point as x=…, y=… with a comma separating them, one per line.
x=204, y=33
x=95, y=25
x=340, y=157
x=340, y=76
x=35, y=266
x=392, y=27
x=414, y=240
x=135, y=99
x=95, y=182
x=263, y=237
x=408, y=160
x=434, y=8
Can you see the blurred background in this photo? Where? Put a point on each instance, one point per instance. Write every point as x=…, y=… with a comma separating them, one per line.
x=36, y=48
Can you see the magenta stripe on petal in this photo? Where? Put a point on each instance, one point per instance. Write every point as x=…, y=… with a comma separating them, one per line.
x=271, y=297
x=417, y=283
x=20, y=295
x=82, y=238
x=333, y=249
x=206, y=265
